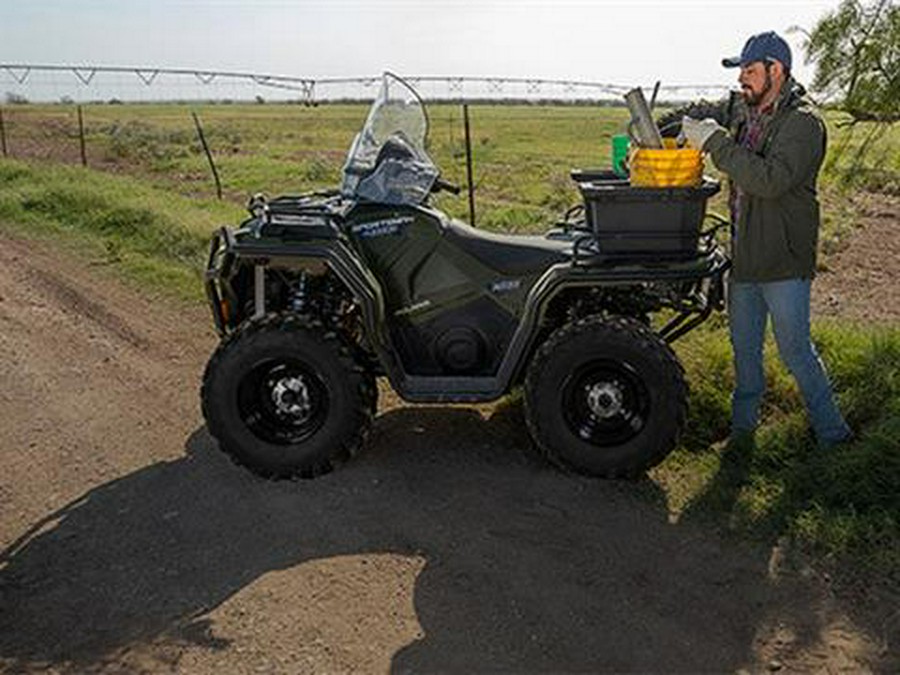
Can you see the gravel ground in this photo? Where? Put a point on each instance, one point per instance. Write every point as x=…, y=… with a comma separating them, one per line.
x=860, y=281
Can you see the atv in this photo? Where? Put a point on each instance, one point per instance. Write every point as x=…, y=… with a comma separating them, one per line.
x=317, y=295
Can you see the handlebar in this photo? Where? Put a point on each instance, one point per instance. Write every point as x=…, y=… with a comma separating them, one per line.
x=441, y=184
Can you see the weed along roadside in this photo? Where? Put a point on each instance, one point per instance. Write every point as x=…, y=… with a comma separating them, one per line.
x=834, y=514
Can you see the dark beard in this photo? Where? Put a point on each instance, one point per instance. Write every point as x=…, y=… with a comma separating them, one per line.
x=754, y=100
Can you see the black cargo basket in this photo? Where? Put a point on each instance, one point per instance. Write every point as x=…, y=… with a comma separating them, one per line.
x=660, y=223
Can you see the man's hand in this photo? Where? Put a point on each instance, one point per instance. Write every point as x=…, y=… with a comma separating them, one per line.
x=697, y=132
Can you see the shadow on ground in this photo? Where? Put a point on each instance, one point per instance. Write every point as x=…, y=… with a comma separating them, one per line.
x=526, y=568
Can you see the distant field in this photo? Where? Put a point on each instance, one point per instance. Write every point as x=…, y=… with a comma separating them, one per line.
x=523, y=153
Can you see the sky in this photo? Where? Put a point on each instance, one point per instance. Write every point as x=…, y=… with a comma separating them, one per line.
x=628, y=43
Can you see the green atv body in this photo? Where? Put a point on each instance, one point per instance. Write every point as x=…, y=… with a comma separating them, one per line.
x=315, y=296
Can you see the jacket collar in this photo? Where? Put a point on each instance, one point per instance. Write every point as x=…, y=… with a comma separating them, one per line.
x=791, y=96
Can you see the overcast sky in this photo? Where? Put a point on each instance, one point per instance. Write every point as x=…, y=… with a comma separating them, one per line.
x=633, y=42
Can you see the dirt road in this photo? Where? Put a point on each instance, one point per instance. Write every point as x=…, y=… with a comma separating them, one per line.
x=132, y=545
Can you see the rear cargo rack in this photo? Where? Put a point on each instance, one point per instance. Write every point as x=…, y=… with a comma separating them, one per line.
x=661, y=224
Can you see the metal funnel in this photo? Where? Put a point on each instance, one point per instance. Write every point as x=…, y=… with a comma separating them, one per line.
x=642, y=129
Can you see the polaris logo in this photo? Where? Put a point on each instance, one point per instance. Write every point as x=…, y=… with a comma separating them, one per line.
x=505, y=285
x=381, y=228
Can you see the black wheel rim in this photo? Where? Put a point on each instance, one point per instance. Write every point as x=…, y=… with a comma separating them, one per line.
x=282, y=401
x=605, y=403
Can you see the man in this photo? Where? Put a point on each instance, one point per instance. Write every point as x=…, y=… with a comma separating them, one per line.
x=771, y=145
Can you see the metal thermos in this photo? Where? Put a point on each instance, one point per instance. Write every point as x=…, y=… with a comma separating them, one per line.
x=642, y=128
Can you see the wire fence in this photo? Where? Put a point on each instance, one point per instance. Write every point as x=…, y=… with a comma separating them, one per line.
x=280, y=133
x=280, y=146
x=284, y=132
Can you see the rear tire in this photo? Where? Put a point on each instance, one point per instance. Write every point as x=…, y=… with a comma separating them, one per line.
x=605, y=397
x=285, y=398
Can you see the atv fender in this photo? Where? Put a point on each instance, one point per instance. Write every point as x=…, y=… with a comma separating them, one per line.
x=227, y=252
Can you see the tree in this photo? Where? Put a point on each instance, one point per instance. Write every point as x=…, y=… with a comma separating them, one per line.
x=856, y=50
x=15, y=99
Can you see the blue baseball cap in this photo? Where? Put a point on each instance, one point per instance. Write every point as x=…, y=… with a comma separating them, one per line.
x=762, y=47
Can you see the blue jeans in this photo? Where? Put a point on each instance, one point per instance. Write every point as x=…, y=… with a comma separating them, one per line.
x=787, y=302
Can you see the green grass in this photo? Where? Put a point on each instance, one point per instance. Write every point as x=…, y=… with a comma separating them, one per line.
x=841, y=504
x=147, y=207
x=863, y=156
x=153, y=236
x=522, y=154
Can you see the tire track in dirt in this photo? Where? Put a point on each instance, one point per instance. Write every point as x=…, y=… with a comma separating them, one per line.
x=76, y=303
x=85, y=366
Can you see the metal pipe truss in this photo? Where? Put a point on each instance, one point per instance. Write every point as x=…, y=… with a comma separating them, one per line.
x=309, y=88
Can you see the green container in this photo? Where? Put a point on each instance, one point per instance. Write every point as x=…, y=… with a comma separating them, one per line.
x=620, y=143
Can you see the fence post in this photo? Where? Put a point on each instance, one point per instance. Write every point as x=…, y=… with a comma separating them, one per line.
x=469, y=166
x=3, y=133
x=81, y=137
x=212, y=164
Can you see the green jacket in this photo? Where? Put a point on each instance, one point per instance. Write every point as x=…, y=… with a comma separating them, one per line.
x=777, y=231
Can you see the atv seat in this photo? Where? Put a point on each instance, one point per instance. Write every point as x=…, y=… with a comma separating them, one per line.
x=508, y=254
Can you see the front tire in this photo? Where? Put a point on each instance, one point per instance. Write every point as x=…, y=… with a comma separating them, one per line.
x=285, y=398
x=605, y=397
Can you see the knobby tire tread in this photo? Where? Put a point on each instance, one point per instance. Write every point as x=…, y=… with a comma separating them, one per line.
x=649, y=342
x=331, y=340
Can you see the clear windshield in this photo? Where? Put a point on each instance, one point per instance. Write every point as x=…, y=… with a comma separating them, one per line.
x=387, y=162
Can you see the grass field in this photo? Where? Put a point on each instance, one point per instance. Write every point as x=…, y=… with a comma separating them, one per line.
x=147, y=206
x=522, y=153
